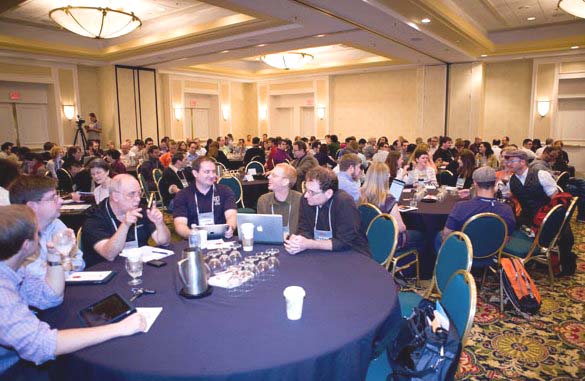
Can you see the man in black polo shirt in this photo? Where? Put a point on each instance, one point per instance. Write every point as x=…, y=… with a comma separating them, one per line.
x=328, y=219
x=444, y=152
x=118, y=223
x=148, y=166
x=204, y=202
x=255, y=152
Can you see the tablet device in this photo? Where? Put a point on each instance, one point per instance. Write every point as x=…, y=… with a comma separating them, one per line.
x=396, y=189
x=214, y=231
x=108, y=310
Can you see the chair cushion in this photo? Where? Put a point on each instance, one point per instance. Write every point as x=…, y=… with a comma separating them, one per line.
x=518, y=247
x=408, y=300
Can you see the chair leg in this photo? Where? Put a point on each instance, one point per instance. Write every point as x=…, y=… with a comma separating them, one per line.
x=501, y=294
x=483, y=277
x=550, y=269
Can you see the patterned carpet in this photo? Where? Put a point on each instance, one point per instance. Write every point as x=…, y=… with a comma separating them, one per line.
x=549, y=346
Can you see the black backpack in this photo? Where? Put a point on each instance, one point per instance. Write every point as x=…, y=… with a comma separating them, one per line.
x=419, y=354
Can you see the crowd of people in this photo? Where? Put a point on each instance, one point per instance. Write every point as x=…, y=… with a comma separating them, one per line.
x=315, y=185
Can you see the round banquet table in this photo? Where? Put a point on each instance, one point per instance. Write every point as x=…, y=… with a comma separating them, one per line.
x=429, y=218
x=351, y=302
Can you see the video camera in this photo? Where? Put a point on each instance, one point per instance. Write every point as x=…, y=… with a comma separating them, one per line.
x=79, y=122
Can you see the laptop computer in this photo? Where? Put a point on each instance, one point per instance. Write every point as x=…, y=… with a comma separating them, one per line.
x=267, y=227
x=396, y=189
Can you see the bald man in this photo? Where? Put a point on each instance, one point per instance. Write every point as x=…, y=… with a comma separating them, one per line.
x=120, y=223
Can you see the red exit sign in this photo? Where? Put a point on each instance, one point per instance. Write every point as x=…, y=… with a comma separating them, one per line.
x=14, y=95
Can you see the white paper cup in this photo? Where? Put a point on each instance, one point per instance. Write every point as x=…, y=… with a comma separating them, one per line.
x=247, y=231
x=294, y=296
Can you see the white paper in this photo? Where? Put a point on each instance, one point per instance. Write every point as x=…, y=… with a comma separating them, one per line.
x=222, y=280
x=68, y=201
x=75, y=207
x=87, y=276
x=248, y=177
x=150, y=253
x=405, y=208
x=215, y=244
x=252, y=171
x=150, y=314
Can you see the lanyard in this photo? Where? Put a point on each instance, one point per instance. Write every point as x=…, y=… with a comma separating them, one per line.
x=116, y=226
x=197, y=204
x=491, y=201
x=317, y=216
x=289, y=211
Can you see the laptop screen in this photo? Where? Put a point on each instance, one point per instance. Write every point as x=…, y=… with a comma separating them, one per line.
x=396, y=188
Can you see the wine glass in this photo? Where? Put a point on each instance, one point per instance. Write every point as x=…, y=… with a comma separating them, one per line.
x=215, y=265
x=263, y=268
x=235, y=257
x=134, y=269
x=63, y=241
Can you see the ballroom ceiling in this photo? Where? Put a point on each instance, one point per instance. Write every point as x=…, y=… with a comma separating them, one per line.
x=227, y=37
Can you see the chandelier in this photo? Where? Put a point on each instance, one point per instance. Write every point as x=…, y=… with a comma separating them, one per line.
x=95, y=22
x=287, y=60
x=574, y=7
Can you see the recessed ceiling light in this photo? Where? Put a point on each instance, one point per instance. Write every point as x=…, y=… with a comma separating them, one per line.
x=224, y=51
x=260, y=45
x=531, y=18
x=425, y=20
x=574, y=47
x=320, y=35
x=483, y=55
x=413, y=25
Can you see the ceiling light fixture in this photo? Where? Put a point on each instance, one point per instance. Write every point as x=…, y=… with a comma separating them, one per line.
x=287, y=60
x=531, y=18
x=483, y=55
x=574, y=7
x=575, y=47
x=224, y=51
x=425, y=20
x=95, y=22
x=320, y=35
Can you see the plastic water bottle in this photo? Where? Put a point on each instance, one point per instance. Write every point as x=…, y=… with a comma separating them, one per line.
x=194, y=238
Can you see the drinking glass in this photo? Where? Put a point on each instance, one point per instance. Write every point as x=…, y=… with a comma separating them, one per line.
x=63, y=242
x=215, y=265
x=235, y=257
x=134, y=269
x=225, y=261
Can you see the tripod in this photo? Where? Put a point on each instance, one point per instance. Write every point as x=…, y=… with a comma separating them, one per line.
x=80, y=133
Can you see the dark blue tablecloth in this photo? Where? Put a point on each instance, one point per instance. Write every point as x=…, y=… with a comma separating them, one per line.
x=351, y=301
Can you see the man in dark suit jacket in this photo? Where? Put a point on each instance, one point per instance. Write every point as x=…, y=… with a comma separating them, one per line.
x=256, y=150
x=176, y=177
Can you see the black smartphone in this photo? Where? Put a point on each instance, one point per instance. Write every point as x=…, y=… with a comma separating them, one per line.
x=156, y=263
x=150, y=201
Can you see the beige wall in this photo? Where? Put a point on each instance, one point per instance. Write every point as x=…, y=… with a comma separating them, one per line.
x=108, y=103
x=507, y=106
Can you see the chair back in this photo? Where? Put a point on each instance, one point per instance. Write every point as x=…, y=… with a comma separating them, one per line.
x=143, y=184
x=570, y=211
x=459, y=300
x=550, y=228
x=563, y=179
x=456, y=253
x=382, y=234
x=259, y=159
x=236, y=187
x=487, y=233
x=367, y=213
x=157, y=175
x=446, y=178
x=78, y=239
x=65, y=182
x=259, y=167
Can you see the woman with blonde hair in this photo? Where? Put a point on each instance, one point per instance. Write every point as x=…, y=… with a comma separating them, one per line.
x=56, y=161
x=375, y=191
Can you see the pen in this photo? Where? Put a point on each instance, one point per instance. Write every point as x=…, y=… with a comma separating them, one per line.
x=160, y=252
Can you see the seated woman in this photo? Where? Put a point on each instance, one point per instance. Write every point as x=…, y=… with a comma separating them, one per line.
x=100, y=174
x=375, y=191
x=395, y=164
x=323, y=157
x=486, y=157
x=422, y=171
x=56, y=162
x=465, y=170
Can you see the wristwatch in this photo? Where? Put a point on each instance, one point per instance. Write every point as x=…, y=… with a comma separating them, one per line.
x=53, y=263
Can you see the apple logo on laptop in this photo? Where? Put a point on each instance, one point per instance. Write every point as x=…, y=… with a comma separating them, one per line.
x=260, y=228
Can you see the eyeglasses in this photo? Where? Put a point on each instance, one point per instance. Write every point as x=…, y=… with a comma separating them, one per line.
x=130, y=195
x=53, y=198
x=312, y=193
x=511, y=160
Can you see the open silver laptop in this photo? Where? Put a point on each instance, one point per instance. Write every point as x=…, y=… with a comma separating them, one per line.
x=267, y=227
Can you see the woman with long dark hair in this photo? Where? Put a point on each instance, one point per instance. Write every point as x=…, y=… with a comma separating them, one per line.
x=466, y=163
x=486, y=157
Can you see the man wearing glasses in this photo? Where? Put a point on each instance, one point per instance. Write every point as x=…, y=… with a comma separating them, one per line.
x=278, y=155
x=40, y=195
x=329, y=219
x=120, y=223
x=534, y=188
x=302, y=163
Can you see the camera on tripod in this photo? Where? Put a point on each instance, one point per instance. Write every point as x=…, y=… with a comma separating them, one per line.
x=80, y=121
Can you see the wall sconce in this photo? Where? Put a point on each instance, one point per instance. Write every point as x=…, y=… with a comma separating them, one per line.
x=225, y=112
x=263, y=112
x=69, y=111
x=178, y=113
x=543, y=107
x=321, y=112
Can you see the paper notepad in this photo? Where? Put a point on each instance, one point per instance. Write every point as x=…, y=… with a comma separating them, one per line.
x=75, y=207
x=150, y=253
x=89, y=277
x=150, y=314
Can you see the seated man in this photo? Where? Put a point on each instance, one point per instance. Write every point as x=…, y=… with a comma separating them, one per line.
x=329, y=219
x=350, y=173
x=282, y=200
x=40, y=195
x=204, y=202
x=176, y=177
x=303, y=162
x=22, y=335
x=151, y=164
x=119, y=223
x=255, y=152
x=484, y=182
